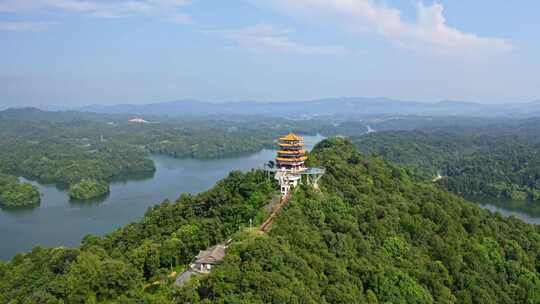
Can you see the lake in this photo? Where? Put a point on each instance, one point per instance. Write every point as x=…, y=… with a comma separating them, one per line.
x=532, y=219
x=61, y=222
x=528, y=211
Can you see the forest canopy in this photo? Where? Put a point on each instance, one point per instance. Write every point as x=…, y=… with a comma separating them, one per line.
x=16, y=194
x=501, y=161
x=87, y=189
x=373, y=234
x=376, y=235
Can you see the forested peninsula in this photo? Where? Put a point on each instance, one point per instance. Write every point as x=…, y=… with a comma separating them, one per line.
x=372, y=234
x=14, y=194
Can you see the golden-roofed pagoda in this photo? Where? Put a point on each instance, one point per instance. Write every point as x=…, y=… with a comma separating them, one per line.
x=290, y=161
x=292, y=137
x=291, y=155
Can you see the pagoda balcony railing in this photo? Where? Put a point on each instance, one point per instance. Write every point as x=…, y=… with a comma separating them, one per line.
x=291, y=151
x=288, y=146
x=291, y=159
x=288, y=162
x=291, y=155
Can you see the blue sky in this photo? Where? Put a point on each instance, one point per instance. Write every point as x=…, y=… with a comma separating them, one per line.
x=71, y=52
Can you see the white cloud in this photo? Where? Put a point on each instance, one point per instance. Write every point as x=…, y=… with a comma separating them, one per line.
x=168, y=9
x=429, y=31
x=17, y=6
x=266, y=38
x=24, y=26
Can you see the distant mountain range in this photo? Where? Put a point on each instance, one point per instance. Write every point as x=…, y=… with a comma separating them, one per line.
x=332, y=106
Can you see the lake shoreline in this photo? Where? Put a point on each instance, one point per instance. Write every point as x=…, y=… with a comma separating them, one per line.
x=61, y=222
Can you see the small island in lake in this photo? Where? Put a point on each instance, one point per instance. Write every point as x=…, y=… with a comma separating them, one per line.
x=15, y=194
x=88, y=189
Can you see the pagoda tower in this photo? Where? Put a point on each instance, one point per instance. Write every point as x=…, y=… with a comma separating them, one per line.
x=290, y=162
x=291, y=154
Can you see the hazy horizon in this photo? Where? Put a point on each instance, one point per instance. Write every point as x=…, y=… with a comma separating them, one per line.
x=53, y=106
x=70, y=53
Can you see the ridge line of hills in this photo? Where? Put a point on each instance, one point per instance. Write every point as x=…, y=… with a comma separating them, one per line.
x=345, y=106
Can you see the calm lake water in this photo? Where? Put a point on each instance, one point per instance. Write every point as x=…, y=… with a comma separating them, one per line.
x=60, y=222
x=533, y=219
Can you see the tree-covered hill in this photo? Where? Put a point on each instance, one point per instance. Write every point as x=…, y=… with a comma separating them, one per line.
x=499, y=161
x=376, y=235
x=373, y=234
x=121, y=267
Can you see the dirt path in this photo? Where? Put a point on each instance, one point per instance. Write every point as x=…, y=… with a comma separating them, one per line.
x=265, y=226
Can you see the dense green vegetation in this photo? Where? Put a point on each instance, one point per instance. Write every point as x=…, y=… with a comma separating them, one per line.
x=501, y=161
x=374, y=234
x=87, y=189
x=67, y=163
x=67, y=147
x=422, y=151
x=16, y=194
x=201, y=137
x=67, y=152
x=118, y=266
x=207, y=137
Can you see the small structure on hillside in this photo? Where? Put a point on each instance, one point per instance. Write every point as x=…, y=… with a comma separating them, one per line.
x=138, y=120
x=206, y=259
x=290, y=164
x=204, y=262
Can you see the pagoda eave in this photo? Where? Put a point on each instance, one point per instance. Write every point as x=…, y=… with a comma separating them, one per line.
x=297, y=159
x=300, y=152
